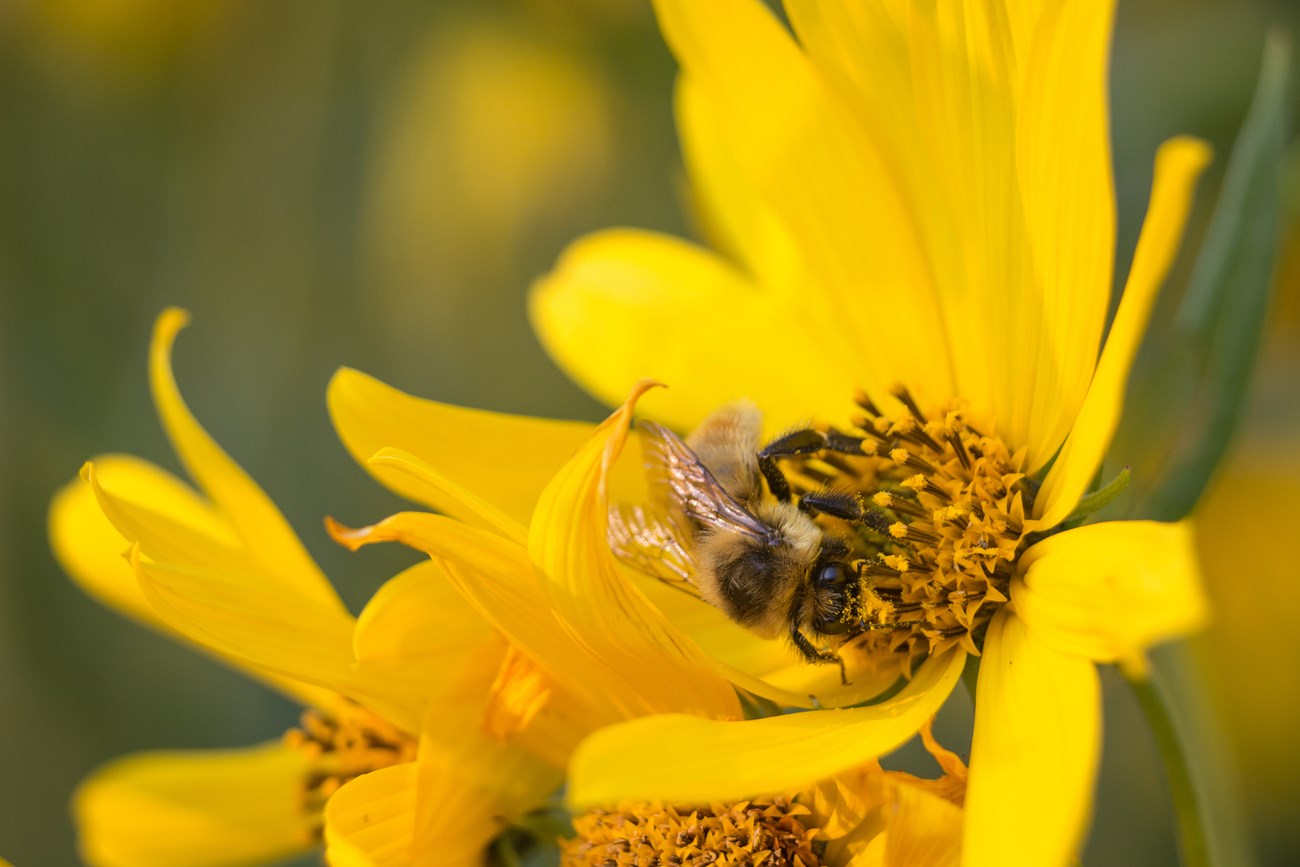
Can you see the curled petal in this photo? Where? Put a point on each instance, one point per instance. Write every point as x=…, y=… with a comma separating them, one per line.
x=465, y=447
x=149, y=504
x=89, y=547
x=467, y=505
x=271, y=629
x=264, y=532
x=622, y=632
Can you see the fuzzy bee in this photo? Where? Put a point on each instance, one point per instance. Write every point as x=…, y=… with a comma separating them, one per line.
x=757, y=555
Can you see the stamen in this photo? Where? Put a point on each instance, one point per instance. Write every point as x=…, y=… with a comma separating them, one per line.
x=947, y=504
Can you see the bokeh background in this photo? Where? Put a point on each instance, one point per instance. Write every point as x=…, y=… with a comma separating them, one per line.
x=327, y=183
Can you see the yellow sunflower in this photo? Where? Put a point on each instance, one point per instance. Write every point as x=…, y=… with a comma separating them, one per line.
x=625, y=648
x=913, y=200
x=607, y=644
x=395, y=699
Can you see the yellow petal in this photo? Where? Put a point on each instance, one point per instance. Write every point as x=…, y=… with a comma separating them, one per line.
x=91, y=549
x=935, y=84
x=1108, y=591
x=621, y=630
x=443, y=809
x=207, y=808
x=877, y=818
x=1179, y=163
x=469, y=506
x=498, y=581
x=1034, y=752
x=156, y=511
x=493, y=575
x=275, y=630
x=738, y=222
x=264, y=531
x=370, y=821
x=623, y=305
x=415, y=634
x=921, y=829
x=1069, y=215
x=416, y=615
x=474, y=450
x=825, y=178
x=521, y=691
x=686, y=759
x=490, y=788
x=490, y=781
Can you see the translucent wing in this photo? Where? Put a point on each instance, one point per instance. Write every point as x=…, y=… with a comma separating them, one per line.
x=653, y=545
x=691, y=488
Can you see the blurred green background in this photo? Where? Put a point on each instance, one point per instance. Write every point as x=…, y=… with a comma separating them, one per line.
x=327, y=183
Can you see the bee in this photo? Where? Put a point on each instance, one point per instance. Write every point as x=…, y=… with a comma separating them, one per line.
x=756, y=554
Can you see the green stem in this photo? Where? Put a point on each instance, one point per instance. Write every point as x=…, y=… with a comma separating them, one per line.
x=1188, y=803
x=970, y=675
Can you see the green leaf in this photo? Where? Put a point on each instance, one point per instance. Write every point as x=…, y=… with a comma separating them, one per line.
x=1217, y=331
x=1100, y=498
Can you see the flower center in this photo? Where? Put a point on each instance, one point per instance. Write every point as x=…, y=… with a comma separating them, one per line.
x=943, y=507
x=341, y=747
x=764, y=831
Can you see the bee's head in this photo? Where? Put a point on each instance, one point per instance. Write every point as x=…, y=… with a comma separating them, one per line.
x=835, y=588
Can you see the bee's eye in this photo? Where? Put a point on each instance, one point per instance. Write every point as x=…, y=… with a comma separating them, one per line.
x=834, y=588
x=833, y=576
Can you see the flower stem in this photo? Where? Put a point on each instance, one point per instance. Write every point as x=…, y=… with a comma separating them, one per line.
x=1188, y=802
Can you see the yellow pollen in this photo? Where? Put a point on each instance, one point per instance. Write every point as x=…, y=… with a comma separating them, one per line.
x=899, y=456
x=768, y=832
x=883, y=499
x=897, y=563
x=902, y=427
x=898, y=530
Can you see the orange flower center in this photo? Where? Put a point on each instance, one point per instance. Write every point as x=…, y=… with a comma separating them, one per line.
x=944, y=509
x=765, y=831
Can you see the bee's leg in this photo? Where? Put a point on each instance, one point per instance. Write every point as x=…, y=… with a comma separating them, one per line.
x=850, y=507
x=800, y=442
x=817, y=657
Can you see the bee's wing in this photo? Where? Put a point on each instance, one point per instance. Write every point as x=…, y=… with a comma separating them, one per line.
x=653, y=545
x=688, y=486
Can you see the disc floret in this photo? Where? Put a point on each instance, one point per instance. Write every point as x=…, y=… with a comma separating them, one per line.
x=768, y=831
x=936, y=556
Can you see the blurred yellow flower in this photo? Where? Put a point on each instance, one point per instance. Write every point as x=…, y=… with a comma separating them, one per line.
x=491, y=131
x=395, y=698
x=127, y=42
x=915, y=200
